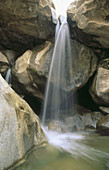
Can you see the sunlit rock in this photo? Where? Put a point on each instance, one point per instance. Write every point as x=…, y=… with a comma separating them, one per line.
x=31, y=69
x=4, y=64
x=24, y=24
x=100, y=87
x=103, y=125
x=20, y=129
x=104, y=110
x=89, y=21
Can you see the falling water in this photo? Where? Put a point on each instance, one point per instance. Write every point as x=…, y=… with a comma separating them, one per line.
x=8, y=76
x=58, y=98
x=58, y=90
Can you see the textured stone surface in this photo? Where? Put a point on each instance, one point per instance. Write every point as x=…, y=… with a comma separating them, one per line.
x=104, y=110
x=25, y=23
x=100, y=87
x=4, y=64
x=103, y=125
x=83, y=119
x=29, y=74
x=92, y=22
x=20, y=129
x=31, y=69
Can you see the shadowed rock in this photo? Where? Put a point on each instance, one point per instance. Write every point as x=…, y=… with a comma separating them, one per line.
x=103, y=125
x=25, y=23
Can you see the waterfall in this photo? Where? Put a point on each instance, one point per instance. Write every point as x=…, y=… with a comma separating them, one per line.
x=8, y=76
x=58, y=96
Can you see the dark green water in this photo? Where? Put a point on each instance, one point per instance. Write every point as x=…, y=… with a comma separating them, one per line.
x=90, y=153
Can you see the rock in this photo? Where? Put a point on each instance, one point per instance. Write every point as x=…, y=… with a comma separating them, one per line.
x=83, y=120
x=31, y=69
x=100, y=87
x=55, y=126
x=24, y=24
x=4, y=64
x=11, y=56
x=103, y=125
x=20, y=129
x=26, y=79
x=89, y=21
x=104, y=110
x=89, y=128
x=84, y=64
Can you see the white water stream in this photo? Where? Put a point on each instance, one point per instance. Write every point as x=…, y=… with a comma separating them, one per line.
x=58, y=90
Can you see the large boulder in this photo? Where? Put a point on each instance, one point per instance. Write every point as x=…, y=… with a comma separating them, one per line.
x=90, y=22
x=20, y=129
x=103, y=125
x=100, y=87
x=25, y=23
x=31, y=69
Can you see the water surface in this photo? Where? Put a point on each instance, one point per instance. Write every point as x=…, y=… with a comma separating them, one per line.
x=84, y=151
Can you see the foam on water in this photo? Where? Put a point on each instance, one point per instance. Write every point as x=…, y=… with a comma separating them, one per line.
x=72, y=143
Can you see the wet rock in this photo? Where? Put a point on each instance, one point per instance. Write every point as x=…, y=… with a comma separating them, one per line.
x=20, y=129
x=37, y=63
x=25, y=23
x=103, y=125
x=55, y=126
x=100, y=87
x=83, y=120
x=89, y=21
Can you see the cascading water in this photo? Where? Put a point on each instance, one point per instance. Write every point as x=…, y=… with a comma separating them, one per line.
x=58, y=90
x=87, y=152
x=59, y=99
x=8, y=76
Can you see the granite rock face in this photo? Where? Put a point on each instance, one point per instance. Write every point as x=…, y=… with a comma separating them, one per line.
x=31, y=69
x=20, y=129
x=24, y=24
x=100, y=87
x=90, y=22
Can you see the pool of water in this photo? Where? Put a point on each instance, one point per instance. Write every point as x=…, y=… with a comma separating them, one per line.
x=72, y=151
